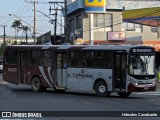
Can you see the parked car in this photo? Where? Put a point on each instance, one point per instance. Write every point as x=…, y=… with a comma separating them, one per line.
x=1, y=65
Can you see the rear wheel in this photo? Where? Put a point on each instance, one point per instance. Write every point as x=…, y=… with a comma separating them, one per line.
x=36, y=84
x=123, y=94
x=101, y=89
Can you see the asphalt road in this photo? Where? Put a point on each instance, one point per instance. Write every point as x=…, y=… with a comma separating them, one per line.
x=21, y=98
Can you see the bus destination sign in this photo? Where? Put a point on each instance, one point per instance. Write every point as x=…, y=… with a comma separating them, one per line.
x=139, y=50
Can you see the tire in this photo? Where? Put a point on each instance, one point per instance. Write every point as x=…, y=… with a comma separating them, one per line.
x=36, y=84
x=123, y=94
x=101, y=89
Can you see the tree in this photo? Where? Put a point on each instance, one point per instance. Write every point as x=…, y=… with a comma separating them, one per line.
x=16, y=25
x=8, y=42
x=26, y=29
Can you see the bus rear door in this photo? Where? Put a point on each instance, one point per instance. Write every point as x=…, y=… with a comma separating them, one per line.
x=119, y=82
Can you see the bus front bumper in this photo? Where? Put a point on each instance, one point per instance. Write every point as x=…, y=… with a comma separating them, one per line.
x=141, y=88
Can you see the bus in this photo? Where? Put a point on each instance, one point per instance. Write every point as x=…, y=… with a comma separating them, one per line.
x=102, y=69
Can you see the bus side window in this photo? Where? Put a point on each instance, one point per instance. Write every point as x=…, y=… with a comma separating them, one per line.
x=84, y=63
x=89, y=58
x=104, y=59
x=35, y=57
x=74, y=59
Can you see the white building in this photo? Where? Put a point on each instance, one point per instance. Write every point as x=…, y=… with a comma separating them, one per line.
x=18, y=39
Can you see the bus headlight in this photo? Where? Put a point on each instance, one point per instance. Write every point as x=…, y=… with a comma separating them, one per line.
x=154, y=83
x=135, y=83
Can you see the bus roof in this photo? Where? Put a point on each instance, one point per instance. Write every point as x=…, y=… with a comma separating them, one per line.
x=85, y=47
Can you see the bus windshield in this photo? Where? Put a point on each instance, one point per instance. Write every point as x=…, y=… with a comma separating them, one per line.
x=142, y=65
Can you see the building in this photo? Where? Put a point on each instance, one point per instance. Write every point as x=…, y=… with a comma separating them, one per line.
x=107, y=27
x=18, y=39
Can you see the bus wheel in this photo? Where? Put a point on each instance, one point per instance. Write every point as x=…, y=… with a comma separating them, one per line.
x=36, y=84
x=123, y=94
x=101, y=89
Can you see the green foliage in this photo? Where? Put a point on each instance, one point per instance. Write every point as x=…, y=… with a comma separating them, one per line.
x=8, y=42
x=2, y=49
x=17, y=25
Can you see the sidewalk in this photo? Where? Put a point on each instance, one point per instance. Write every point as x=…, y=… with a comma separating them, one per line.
x=157, y=85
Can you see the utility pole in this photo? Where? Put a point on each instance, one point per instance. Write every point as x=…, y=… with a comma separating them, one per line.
x=34, y=28
x=66, y=23
x=26, y=38
x=57, y=6
x=4, y=36
x=55, y=26
x=34, y=31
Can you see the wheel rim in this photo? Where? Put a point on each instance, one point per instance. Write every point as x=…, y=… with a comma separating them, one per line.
x=36, y=84
x=102, y=89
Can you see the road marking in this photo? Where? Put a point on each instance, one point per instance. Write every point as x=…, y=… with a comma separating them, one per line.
x=149, y=93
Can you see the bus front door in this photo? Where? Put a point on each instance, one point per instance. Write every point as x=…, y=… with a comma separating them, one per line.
x=61, y=69
x=23, y=67
x=120, y=61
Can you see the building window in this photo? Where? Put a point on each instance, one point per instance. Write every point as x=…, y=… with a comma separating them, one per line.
x=131, y=27
x=102, y=22
x=108, y=20
x=71, y=29
x=78, y=26
x=154, y=29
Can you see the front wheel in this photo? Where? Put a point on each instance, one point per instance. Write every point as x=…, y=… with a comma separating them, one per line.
x=101, y=89
x=123, y=94
x=36, y=84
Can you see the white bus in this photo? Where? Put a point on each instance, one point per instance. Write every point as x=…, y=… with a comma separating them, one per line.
x=104, y=69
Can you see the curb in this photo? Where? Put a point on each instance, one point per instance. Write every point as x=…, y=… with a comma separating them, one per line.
x=157, y=85
x=3, y=82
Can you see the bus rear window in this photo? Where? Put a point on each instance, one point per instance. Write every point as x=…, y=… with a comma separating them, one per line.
x=11, y=57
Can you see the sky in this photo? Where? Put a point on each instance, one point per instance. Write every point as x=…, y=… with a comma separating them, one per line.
x=24, y=10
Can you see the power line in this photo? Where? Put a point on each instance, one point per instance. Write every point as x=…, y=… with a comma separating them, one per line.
x=20, y=10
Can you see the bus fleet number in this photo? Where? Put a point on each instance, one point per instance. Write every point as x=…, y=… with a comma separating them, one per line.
x=12, y=69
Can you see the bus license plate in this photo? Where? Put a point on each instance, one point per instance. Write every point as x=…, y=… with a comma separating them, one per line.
x=146, y=88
